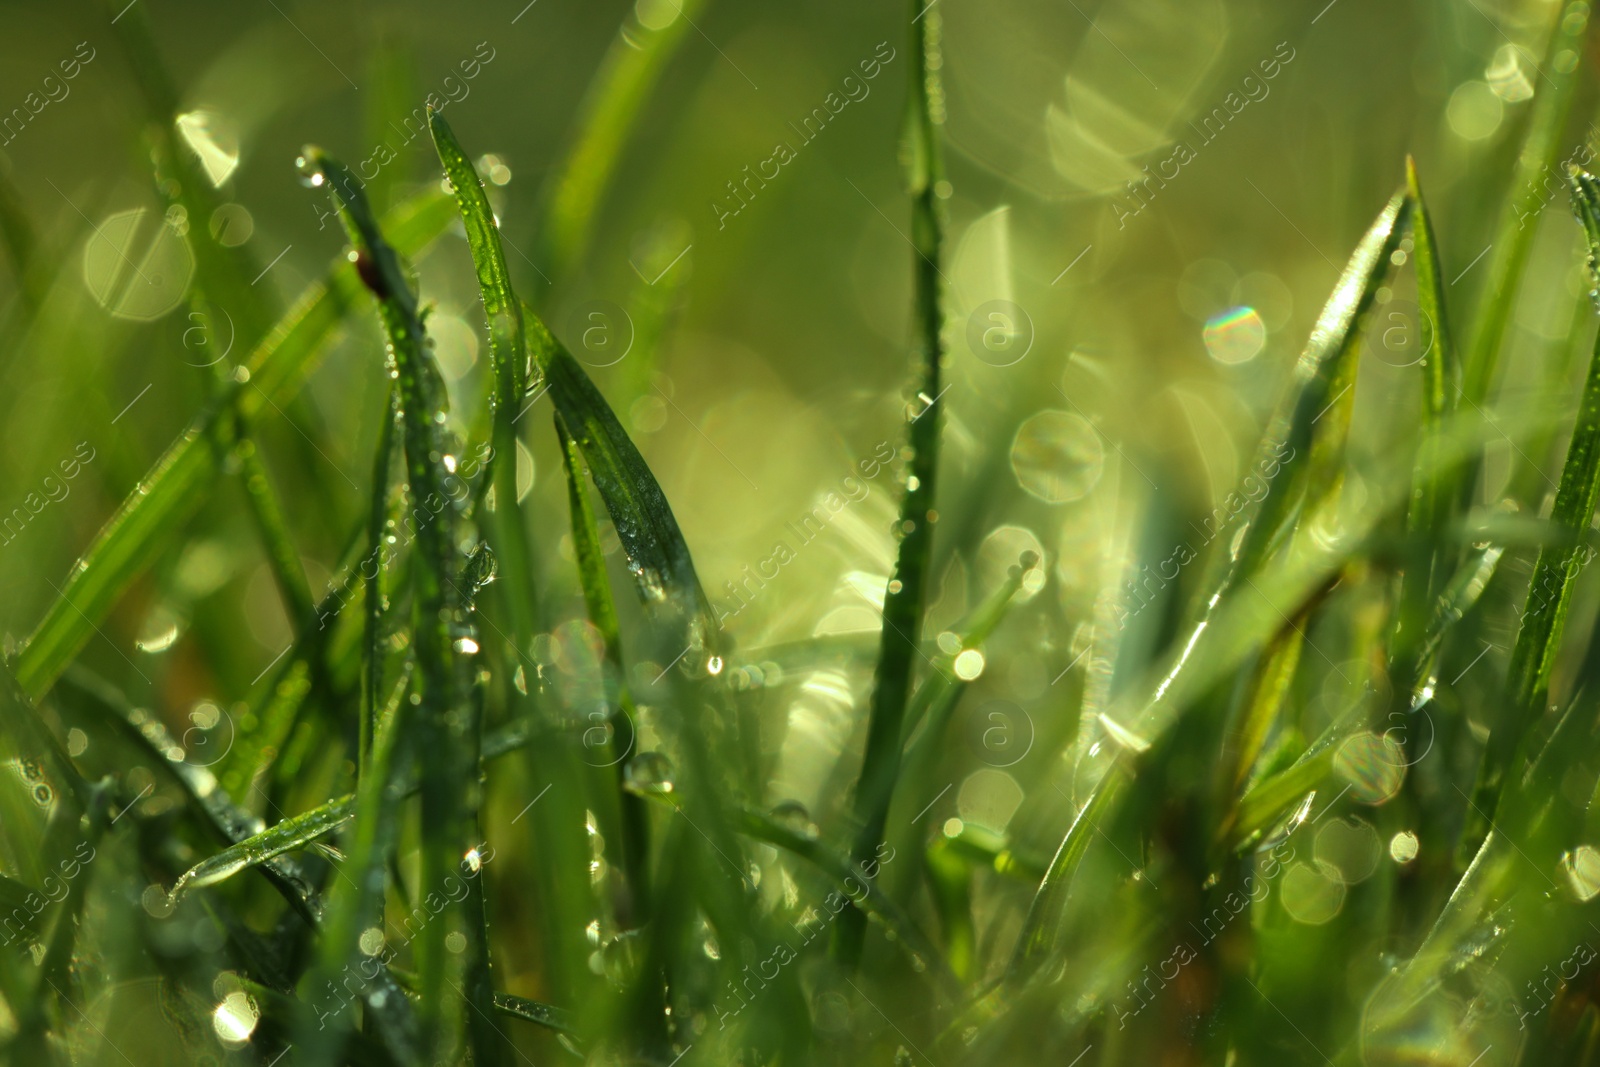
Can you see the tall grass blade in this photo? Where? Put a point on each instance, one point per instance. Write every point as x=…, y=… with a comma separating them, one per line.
x=441, y=627
x=906, y=597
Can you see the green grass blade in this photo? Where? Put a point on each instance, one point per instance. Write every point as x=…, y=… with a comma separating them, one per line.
x=1555, y=570
x=509, y=352
x=1513, y=240
x=545, y=1015
x=632, y=823
x=1044, y=911
x=613, y=103
x=1433, y=501
x=441, y=625
x=176, y=484
x=906, y=597
x=658, y=557
x=290, y=835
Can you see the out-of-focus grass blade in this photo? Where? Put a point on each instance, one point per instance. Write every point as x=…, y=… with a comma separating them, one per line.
x=290, y=835
x=868, y=897
x=1513, y=240
x=612, y=104
x=905, y=599
x=1044, y=912
x=21, y=243
x=1433, y=501
x=441, y=626
x=175, y=485
x=1556, y=569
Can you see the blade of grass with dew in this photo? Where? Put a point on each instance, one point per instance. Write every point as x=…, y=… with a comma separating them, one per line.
x=658, y=557
x=556, y=825
x=631, y=820
x=509, y=351
x=175, y=485
x=291, y=835
x=373, y=584
x=905, y=600
x=545, y=1015
x=610, y=108
x=441, y=626
x=1513, y=240
x=1556, y=569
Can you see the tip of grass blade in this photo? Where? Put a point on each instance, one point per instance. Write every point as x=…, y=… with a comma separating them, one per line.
x=1586, y=205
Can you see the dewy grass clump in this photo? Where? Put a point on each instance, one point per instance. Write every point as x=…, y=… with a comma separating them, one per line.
x=1320, y=785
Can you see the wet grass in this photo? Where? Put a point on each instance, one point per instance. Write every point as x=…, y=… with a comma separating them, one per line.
x=1301, y=827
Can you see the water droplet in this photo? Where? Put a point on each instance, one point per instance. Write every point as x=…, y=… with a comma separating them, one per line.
x=793, y=816
x=1403, y=847
x=649, y=773
x=466, y=645
x=714, y=665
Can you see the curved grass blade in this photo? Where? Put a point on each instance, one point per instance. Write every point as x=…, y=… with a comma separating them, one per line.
x=906, y=598
x=658, y=558
x=441, y=625
x=290, y=835
x=1555, y=570
x=175, y=485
